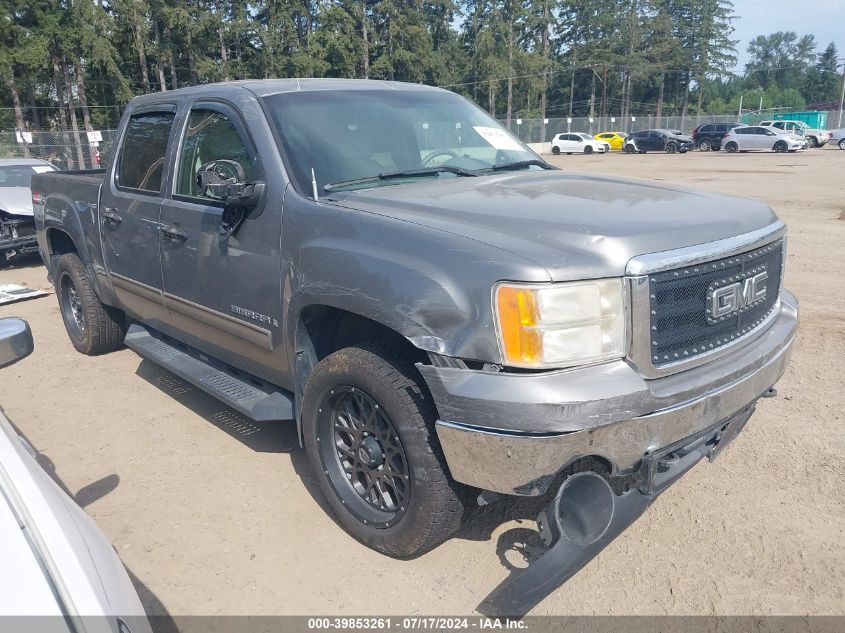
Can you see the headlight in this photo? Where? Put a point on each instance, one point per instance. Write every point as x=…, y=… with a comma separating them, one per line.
x=561, y=325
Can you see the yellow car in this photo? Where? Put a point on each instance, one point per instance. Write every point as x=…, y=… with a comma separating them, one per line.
x=616, y=139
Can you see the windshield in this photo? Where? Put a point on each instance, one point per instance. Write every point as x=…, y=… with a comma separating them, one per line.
x=20, y=175
x=358, y=134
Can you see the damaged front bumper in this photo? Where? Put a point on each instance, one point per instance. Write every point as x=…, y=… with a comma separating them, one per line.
x=17, y=235
x=516, y=433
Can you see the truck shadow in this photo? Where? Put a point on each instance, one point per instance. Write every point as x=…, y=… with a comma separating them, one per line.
x=261, y=437
x=33, y=260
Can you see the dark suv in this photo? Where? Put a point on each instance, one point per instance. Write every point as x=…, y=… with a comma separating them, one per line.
x=669, y=141
x=709, y=136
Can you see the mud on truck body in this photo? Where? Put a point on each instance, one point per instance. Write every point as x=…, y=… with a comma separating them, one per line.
x=447, y=318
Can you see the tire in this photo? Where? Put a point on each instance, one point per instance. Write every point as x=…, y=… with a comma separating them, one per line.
x=555, y=150
x=842, y=143
x=812, y=142
x=780, y=146
x=588, y=149
x=731, y=147
x=93, y=328
x=671, y=148
x=705, y=145
x=371, y=382
x=629, y=149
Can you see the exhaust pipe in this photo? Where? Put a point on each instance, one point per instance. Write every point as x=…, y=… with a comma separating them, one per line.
x=584, y=517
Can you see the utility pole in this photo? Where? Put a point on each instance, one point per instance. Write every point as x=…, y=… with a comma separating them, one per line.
x=841, y=97
x=739, y=114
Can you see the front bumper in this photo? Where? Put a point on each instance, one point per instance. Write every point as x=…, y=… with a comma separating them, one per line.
x=17, y=235
x=515, y=433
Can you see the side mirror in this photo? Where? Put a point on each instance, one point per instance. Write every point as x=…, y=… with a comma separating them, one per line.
x=15, y=341
x=214, y=178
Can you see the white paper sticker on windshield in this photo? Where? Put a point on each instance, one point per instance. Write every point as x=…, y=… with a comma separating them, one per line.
x=499, y=139
x=41, y=169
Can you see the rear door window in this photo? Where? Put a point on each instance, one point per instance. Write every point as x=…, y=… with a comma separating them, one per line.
x=144, y=151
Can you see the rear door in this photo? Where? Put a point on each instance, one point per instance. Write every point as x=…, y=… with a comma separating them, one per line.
x=223, y=292
x=129, y=212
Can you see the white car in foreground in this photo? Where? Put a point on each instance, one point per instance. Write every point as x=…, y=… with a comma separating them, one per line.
x=747, y=138
x=578, y=143
x=837, y=137
x=56, y=563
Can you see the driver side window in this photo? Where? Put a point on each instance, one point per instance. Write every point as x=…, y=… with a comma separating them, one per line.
x=210, y=135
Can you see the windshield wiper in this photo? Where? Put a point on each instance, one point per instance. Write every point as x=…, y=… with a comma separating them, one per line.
x=522, y=163
x=408, y=173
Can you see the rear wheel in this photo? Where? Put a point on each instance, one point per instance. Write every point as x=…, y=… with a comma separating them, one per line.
x=629, y=149
x=705, y=145
x=780, y=146
x=731, y=147
x=368, y=425
x=588, y=149
x=93, y=328
x=842, y=144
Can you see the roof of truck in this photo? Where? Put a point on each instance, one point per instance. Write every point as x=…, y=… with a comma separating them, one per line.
x=266, y=87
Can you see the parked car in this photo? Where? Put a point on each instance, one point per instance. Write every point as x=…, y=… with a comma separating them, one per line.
x=837, y=137
x=578, y=143
x=56, y=561
x=17, y=229
x=669, y=141
x=291, y=248
x=748, y=138
x=815, y=138
x=615, y=139
x=708, y=136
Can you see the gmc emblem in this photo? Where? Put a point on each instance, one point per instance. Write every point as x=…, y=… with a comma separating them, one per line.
x=727, y=299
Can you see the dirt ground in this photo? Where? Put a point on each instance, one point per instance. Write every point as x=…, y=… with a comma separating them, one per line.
x=214, y=514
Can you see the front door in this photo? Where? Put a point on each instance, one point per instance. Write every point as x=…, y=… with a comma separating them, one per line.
x=129, y=213
x=222, y=291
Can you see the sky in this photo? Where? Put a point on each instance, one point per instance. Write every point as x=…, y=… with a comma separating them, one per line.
x=823, y=18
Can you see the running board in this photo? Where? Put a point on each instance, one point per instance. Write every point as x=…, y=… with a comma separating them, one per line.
x=255, y=398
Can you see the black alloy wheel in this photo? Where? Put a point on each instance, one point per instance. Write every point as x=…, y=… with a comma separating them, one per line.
x=705, y=145
x=72, y=308
x=363, y=457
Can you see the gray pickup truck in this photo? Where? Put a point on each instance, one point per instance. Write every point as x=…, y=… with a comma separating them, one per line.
x=447, y=318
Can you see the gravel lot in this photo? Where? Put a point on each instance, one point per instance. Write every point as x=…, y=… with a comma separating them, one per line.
x=214, y=514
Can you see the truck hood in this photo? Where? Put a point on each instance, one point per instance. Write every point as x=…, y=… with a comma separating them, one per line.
x=576, y=226
x=16, y=200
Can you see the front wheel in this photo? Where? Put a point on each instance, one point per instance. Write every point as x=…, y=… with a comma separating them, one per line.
x=671, y=148
x=731, y=147
x=555, y=150
x=629, y=149
x=368, y=425
x=842, y=144
x=93, y=328
x=705, y=146
x=780, y=146
x=812, y=142
x=588, y=149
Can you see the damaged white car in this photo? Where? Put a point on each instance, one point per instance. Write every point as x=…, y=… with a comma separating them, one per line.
x=17, y=228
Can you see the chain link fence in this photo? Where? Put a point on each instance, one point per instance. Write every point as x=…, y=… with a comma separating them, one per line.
x=65, y=150
x=540, y=131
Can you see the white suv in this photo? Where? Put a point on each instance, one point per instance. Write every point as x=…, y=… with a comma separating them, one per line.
x=578, y=143
x=815, y=138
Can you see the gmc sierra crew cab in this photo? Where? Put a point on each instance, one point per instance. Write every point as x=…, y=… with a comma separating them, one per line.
x=447, y=318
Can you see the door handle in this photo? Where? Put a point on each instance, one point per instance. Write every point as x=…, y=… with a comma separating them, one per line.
x=173, y=233
x=110, y=215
